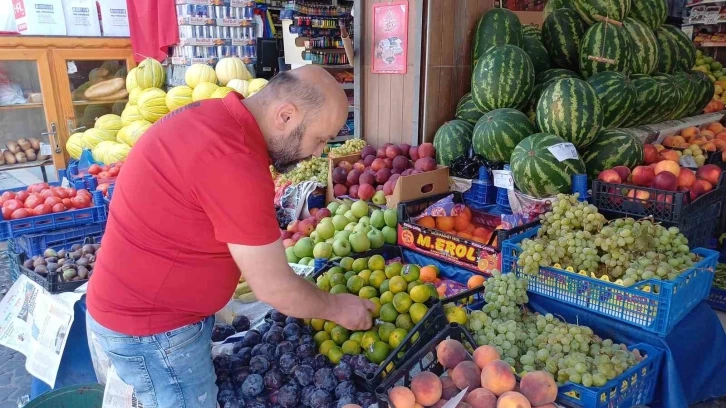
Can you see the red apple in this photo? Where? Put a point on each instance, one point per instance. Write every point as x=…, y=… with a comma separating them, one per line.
x=288, y=242
x=379, y=187
x=710, y=173
x=383, y=175
x=388, y=187
x=640, y=195
x=392, y=151
x=292, y=227
x=424, y=164
x=284, y=234
x=413, y=153
x=400, y=163
x=340, y=190
x=353, y=191
x=368, y=177
x=305, y=227
x=369, y=160
x=623, y=171
x=348, y=166
x=378, y=164
x=359, y=166
x=665, y=180
x=339, y=175
x=405, y=147
x=643, y=176
x=610, y=176
x=322, y=213
x=686, y=178
x=368, y=151
x=381, y=153
x=296, y=237
x=366, y=191
x=353, y=177
x=388, y=161
x=663, y=201
x=650, y=154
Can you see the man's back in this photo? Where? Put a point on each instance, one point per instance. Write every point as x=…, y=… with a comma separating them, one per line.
x=196, y=180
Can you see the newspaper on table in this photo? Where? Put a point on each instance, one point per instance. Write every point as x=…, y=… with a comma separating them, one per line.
x=35, y=323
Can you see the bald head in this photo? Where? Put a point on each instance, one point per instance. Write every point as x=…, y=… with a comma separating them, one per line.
x=299, y=111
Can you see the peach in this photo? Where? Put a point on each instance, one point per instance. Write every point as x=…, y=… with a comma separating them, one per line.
x=690, y=131
x=715, y=127
x=670, y=155
x=288, y=242
x=401, y=397
x=417, y=405
x=497, y=377
x=481, y=398
x=466, y=375
x=638, y=195
x=441, y=402
x=643, y=176
x=513, y=399
x=650, y=154
x=450, y=353
x=463, y=404
x=610, y=176
x=485, y=354
x=709, y=147
x=720, y=144
x=698, y=140
x=667, y=165
x=672, y=141
x=538, y=387
x=448, y=388
x=623, y=171
x=710, y=173
x=721, y=136
x=686, y=178
x=707, y=134
x=665, y=180
x=426, y=387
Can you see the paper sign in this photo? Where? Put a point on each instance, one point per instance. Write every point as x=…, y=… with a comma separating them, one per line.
x=302, y=270
x=688, y=161
x=503, y=179
x=390, y=38
x=45, y=149
x=452, y=403
x=564, y=151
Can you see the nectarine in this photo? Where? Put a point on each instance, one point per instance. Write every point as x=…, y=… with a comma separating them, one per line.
x=650, y=154
x=402, y=397
x=665, y=180
x=643, y=176
x=513, y=399
x=610, y=176
x=484, y=355
x=686, y=178
x=426, y=387
x=710, y=173
x=670, y=155
x=667, y=165
x=539, y=387
x=497, y=377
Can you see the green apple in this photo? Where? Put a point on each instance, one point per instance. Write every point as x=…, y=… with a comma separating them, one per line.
x=364, y=228
x=359, y=208
x=290, y=255
x=376, y=238
x=330, y=240
x=342, y=209
x=378, y=219
x=365, y=219
x=314, y=236
x=339, y=222
x=343, y=235
x=350, y=216
x=325, y=229
x=379, y=198
x=341, y=247
x=305, y=261
x=323, y=250
x=303, y=248
x=359, y=242
x=391, y=217
x=333, y=206
x=390, y=235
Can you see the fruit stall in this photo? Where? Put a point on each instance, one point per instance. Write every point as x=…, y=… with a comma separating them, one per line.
x=552, y=235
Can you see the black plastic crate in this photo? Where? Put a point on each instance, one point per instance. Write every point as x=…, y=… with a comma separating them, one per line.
x=52, y=282
x=423, y=360
x=387, y=251
x=697, y=220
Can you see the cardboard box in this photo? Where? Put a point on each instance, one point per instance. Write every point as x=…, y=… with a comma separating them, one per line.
x=407, y=188
x=114, y=18
x=530, y=17
x=39, y=17
x=81, y=18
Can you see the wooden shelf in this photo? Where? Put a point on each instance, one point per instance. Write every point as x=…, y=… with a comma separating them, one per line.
x=22, y=106
x=84, y=103
x=26, y=165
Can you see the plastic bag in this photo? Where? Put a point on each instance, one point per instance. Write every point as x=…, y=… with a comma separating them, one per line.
x=10, y=92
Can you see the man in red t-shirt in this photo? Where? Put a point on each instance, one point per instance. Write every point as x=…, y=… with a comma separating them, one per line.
x=192, y=208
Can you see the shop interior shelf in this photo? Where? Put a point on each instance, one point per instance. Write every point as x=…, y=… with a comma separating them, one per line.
x=22, y=106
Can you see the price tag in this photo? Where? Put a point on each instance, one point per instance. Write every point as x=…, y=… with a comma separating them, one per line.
x=564, y=151
x=72, y=68
x=45, y=149
x=503, y=179
x=688, y=161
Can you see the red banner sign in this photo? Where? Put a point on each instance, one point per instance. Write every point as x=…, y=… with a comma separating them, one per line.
x=390, y=37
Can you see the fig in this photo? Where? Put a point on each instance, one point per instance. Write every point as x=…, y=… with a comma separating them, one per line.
x=96, y=247
x=76, y=247
x=41, y=269
x=91, y=258
x=88, y=249
x=28, y=264
x=75, y=255
x=39, y=261
x=50, y=253
x=82, y=272
x=52, y=259
x=52, y=267
x=62, y=253
x=69, y=274
x=82, y=262
x=62, y=261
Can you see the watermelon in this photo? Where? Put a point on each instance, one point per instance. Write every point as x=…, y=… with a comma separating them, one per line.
x=537, y=172
x=531, y=30
x=646, y=102
x=542, y=81
x=593, y=10
x=670, y=98
x=690, y=95
x=607, y=41
x=503, y=78
x=452, y=141
x=617, y=96
x=498, y=132
x=496, y=27
x=668, y=52
x=553, y=5
x=537, y=53
x=466, y=110
x=570, y=108
x=644, y=55
x=705, y=92
x=651, y=12
x=562, y=32
x=612, y=147
x=686, y=49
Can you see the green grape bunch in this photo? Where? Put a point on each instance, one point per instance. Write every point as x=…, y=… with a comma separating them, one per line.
x=312, y=169
x=351, y=146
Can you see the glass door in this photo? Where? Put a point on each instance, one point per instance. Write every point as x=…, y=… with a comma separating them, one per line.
x=91, y=83
x=28, y=119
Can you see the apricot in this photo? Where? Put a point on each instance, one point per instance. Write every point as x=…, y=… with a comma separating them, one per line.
x=445, y=223
x=720, y=144
x=709, y=147
x=538, y=387
x=497, y=377
x=707, y=134
x=402, y=397
x=485, y=354
x=450, y=353
x=698, y=140
x=427, y=222
x=481, y=398
x=715, y=127
x=448, y=388
x=690, y=131
x=513, y=399
x=669, y=166
x=440, y=403
x=475, y=281
x=465, y=235
x=426, y=387
x=466, y=375
x=721, y=136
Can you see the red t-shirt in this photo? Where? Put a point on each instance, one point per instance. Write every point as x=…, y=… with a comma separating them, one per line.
x=197, y=180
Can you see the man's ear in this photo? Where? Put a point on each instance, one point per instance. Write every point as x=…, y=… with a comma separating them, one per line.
x=284, y=113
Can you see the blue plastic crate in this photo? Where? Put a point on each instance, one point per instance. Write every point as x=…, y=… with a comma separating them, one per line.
x=71, y=218
x=482, y=192
x=653, y=305
x=36, y=244
x=717, y=299
x=633, y=387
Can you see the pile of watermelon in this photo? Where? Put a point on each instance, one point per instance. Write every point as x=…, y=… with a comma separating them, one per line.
x=594, y=68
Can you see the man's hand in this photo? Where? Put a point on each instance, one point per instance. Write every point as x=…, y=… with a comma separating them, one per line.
x=353, y=312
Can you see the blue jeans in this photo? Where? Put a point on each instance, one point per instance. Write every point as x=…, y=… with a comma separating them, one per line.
x=167, y=370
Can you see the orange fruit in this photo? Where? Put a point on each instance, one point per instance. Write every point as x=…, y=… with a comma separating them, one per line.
x=428, y=274
x=470, y=228
x=442, y=290
x=465, y=235
x=427, y=222
x=466, y=213
x=479, y=239
x=475, y=281
x=445, y=223
x=482, y=232
x=461, y=223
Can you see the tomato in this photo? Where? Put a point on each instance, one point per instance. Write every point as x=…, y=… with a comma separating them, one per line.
x=61, y=192
x=34, y=200
x=37, y=187
x=20, y=213
x=8, y=195
x=48, y=193
x=22, y=195
x=67, y=203
x=6, y=213
x=81, y=201
x=94, y=169
x=51, y=201
x=42, y=209
x=58, y=207
x=106, y=167
x=71, y=192
x=103, y=187
x=113, y=172
x=104, y=175
x=13, y=204
x=84, y=192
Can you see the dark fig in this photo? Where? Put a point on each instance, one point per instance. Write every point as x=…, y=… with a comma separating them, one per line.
x=88, y=249
x=82, y=262
x=82, y=272
x=91, y=258
x=52, y=267
x=28, y=264
x=76, y=247
x=62, y=253
x=75, y=255
x=50, y=253
x=41, y=269
x=68, y=274
x=39, y=261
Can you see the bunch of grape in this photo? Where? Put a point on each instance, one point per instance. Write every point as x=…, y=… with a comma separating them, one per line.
x=351, y=146
x=313, y=169
x=531, y=342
